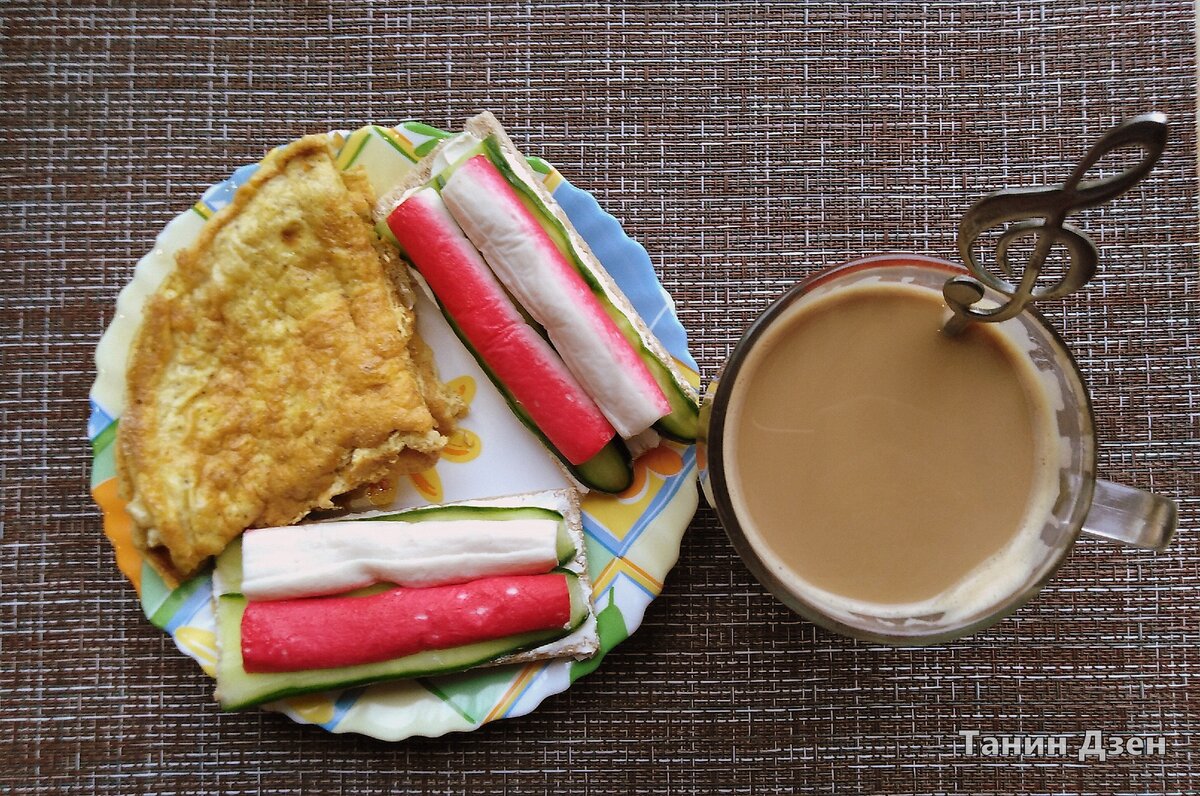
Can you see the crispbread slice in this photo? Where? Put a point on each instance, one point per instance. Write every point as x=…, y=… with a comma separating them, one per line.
x=584, y=641
x=486, y=125
x=581, y=643
x=483, y=126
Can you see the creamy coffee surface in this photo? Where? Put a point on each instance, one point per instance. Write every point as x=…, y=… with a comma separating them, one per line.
x=879, y=462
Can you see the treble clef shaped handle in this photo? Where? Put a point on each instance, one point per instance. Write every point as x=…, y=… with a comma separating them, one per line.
x=1041, y=213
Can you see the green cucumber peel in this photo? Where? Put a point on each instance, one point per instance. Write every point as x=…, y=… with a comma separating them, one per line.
x=385, y=234
x=581, y=604
x=439, y=180
x=229, y=567
x=564, y=546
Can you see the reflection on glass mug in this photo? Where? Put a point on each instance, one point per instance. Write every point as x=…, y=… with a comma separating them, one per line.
x=895, y=483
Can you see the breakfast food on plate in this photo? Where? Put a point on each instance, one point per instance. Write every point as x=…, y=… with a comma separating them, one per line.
x=542, y=391
x=276, y=367
x=440, y=590
x=535, y=307
x=555, y=294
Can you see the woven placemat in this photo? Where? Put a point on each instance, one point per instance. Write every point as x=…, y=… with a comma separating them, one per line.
x=745, y=146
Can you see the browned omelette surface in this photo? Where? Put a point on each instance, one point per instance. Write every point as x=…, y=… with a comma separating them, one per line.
x=274, y=368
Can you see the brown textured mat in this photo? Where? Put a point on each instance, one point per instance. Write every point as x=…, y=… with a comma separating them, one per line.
x=744, y=145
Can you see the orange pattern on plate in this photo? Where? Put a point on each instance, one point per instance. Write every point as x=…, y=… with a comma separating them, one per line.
x=463, y=445
x=650, y=472
x=118, y=527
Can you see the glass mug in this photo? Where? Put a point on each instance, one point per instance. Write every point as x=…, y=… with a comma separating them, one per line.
x=1083, y=503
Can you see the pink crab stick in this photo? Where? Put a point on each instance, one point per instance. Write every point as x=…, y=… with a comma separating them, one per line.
x=520, y=358
x=534, y=270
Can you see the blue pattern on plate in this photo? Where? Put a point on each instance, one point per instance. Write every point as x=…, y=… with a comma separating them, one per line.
x=98, y=420
x=222, y=193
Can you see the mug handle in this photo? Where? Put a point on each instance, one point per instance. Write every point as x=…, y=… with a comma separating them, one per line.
x=1130, y=516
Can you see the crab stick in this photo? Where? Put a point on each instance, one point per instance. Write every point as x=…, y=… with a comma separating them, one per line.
x=525, y=364
x=332, y=557
x=330, y=632
x=533, y=269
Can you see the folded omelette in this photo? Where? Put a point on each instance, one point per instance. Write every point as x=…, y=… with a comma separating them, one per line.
x=276, y=367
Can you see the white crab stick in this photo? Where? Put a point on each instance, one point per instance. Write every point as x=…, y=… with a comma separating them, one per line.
x=334, y=557
x=528, y=263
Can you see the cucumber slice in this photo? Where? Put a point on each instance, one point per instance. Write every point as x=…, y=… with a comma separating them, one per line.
x=564, y=545
x=237, y=688
x=229, y=568
x=610, y=470
x=682, y=423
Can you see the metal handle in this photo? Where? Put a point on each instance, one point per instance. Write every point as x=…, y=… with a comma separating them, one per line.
x=1040, y=214
x=1130, y=516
